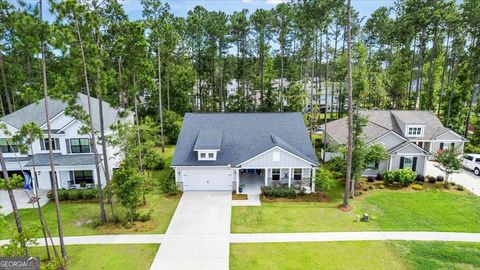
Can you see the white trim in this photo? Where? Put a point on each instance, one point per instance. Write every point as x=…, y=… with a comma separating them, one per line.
x=384, y=135
x=463, y=139
x=53, y=118
x=7, y=124
x=237, y=179
x=409, y=154
x=414, y=126
x=201, y=166
x=202, y=149
x=271, y=149
x=411, y=143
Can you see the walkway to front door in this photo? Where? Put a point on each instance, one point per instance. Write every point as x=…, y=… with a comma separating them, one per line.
x=198, y=236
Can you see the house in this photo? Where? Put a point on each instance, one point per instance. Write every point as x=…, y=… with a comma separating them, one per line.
x=410, y=137
x=226, y=151
x=74, y=160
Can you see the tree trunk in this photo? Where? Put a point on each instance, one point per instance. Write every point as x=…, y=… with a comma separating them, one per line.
x=139, y=141
x=160, y=107
x=474, y=84
x=5, y=85
x=334, y=68
x=103, y=216
x=429, y=99
x=350, y=108
x=123, y=101
x=418, y=87
x=104, y=153
x=445, y=67
x=326, y=88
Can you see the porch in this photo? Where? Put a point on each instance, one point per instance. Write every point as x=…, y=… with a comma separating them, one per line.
x=249, y=181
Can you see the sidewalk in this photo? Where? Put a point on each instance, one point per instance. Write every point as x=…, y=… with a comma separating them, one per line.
x=253, y=200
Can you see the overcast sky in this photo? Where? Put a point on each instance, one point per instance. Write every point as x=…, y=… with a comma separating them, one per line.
x=181, y=7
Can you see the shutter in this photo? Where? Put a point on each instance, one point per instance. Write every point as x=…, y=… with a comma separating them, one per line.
x=441, y=146
x=402, y=160
x=452, y=145
x=72, y=178
x=67, y=143
x=414, y=165
x=57, y=144
x=42, y=144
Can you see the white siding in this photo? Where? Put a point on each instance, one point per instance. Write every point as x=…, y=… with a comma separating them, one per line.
x=449, y=136
x=390, y=140
x=286, y=160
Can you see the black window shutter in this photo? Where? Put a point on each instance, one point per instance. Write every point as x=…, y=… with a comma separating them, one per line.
x=57, y=144
x=441, y=146
x=67, y=143
x=414, y=165
x=42, y=144
x=452, y=145
x=402, y=160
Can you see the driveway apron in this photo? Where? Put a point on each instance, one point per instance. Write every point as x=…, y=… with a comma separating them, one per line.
x=198, y=235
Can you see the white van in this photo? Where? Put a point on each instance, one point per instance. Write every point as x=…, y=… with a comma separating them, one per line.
x=472, y=162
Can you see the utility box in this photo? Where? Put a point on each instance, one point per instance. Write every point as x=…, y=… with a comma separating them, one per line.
x=365, y=217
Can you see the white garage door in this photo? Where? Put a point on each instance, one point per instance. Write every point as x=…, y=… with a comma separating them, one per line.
x=207, y=180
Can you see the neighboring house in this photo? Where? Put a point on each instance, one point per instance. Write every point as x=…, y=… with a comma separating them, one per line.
x=74, y=160
x=223, y=151
x=410, y=137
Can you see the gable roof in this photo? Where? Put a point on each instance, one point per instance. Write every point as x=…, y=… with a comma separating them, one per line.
x=208, y=139
x=381, y=122
x=35, y=112
x=244, y=135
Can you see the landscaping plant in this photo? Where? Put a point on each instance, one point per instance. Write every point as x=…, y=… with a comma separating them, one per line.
x=448, y=162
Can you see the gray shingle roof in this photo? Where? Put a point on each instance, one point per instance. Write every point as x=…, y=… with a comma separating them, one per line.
x=382, y=122
x=208, y=139
x=63, y=160
x=244, y=135
x=35, y=112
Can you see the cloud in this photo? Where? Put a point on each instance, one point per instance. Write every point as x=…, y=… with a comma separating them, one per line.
x=274, y=2
x=247, y=1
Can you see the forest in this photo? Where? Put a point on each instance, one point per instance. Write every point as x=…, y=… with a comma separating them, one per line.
x=421, y=55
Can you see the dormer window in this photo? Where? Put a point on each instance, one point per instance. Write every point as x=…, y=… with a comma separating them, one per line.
x=414, y=131
x=207, y=155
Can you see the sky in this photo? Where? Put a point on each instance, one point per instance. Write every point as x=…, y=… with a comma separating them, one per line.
x=181, y=7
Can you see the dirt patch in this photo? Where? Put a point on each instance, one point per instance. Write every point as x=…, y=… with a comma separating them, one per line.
x=312, y=197
x=239, y=197
x=344, y=209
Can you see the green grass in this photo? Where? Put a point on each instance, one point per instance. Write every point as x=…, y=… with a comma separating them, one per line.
x=316, y=255
x=82, y=218
x=389, y=210
x=168, y=155
x=134, y=257
x=373, y=255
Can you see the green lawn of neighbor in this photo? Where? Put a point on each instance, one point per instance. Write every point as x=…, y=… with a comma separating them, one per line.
x=374, y=255
x=168, y=155
x=122, y=256
x=431, y=210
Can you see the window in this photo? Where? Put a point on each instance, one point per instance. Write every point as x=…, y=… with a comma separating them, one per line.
x=203, y=155
x=207, y=155
x=445, y=146
x=7, y=147
x=477, y=160
x=210, y=155
x=83, y=177
x=297, y=174
x=80, y=145
x=55, y=144
x=468, y=158
x=408, y=163
x=415, y=131
x=275, y=174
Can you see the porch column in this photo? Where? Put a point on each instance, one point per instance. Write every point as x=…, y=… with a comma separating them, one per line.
x=266, y=176
x=312, y=179
x=237, y=178
x=289, y=177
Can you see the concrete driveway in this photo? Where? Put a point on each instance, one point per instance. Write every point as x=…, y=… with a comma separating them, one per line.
x=465, y=178
x=199, y=233
x=22, y=198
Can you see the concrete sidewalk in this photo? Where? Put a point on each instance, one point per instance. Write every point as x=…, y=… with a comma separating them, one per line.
x=198, y=236
x=353, y=236
x=253, y=200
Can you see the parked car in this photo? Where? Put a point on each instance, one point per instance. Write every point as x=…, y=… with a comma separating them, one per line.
x=472, y=162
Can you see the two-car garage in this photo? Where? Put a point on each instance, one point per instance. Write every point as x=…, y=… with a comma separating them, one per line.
x=197, y=180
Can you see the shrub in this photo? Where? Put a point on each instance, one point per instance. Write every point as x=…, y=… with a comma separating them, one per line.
x=381, y=187
x=405, y=176
x=76, y=194
x=420, y=178
x=324, y=180
x=279, y=192
x=370, y=187
x=338, y=164
x=371, y=179
x=460, y=188
x=417, y=187
x=357, y=193
x=365, y=189
x=440, y=178
x=389, y=177
x=432, y=179
x=143, y=217
x=153, y=161
x=379, y=177
x=168, y=185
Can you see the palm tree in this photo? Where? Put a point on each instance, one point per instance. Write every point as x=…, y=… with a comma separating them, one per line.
x=50, y=144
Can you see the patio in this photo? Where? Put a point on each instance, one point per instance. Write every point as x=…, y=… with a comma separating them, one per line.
x=251, y=182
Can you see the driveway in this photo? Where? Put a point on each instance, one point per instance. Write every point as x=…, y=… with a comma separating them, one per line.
x=465, y=178
x=198, y=235
x=22, y=198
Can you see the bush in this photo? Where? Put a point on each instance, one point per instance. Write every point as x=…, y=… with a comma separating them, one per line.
x=357, y=193
x=460, y=188
x=420, y=178
x=168, y=185
x=143, y=217
x=371, y=179
x=279, y=192
x=417, y=187
x=440, y=178
x=338, y=164
x=381, y=187
x=432, y=179
x=389, y=177
x=379, y=177
x=405, y=176
x=75, y=194
x=153, y=161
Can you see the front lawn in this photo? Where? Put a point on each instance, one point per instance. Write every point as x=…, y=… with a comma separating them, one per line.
x=135, y=257
x=316, y=255
x=431, y=210
x=81, y=218
x=373, y=255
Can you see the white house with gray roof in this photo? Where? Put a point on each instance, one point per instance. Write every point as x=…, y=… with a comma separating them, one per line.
x=226, y=151
x=410, y=137
x=73, y=156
